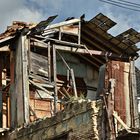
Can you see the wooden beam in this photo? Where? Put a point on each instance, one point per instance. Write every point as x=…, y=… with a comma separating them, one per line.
x=66, y=43
x=121, y=121
x=41, y=43
x=25, y=80
x=79, y=32
x=110, y=103
x=76, y=48
x=64, y=23
x=73, y=83
x=29, y=55
x=63, y=60
x=12, y=110
x=40, y=87
x=55, y=79
x=18, y=84
x=49, y=62
x=1, y=104
x=92, y=52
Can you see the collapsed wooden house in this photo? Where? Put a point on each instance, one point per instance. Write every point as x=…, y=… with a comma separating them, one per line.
x=45, y=69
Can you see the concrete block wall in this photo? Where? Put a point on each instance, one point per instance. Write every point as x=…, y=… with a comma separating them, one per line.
x=80, y=120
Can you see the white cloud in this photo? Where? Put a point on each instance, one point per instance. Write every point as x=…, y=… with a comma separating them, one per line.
x=16, y=10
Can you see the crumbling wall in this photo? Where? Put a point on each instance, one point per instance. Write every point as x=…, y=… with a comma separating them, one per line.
x=80, y=120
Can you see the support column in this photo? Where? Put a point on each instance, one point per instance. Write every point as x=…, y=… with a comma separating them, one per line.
x=1, y=105
x=12, y=110
x=25, y=80
x=55, y=82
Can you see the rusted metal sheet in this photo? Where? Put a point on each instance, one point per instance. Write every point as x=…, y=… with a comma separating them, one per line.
x=115, y=70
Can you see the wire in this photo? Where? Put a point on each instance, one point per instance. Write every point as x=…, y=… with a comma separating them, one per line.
x=129, y=2
x=122, y=5
x=126, y=4
x=118, y=5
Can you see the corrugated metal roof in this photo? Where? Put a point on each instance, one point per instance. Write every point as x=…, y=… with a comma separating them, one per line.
x=103, y=22
x=102, y=40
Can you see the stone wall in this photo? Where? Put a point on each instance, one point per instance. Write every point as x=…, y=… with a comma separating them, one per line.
x=79, y=120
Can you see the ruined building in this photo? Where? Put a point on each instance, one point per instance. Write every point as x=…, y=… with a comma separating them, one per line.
x=69, y=81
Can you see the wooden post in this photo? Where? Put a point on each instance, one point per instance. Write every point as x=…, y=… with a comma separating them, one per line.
x=49, y=62
x=29, y=56
x=25, y=80
x=12, y=99
x=1, y=104
x=79, y=33
x=111, y=86
x=73, y=82
x=60, y=34
x=55, y=76
x=133, y=95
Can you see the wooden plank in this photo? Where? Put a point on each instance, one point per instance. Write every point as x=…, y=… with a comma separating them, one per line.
x=1, y=104
x=92, y=52
x=29, y=55
x=25, y=79
x=72, y=30
x=133, y=95
x=121, y=121
x=79, y=33
x=43, y=44
x=49, y=62
x=64, y=23
x=63, y=60
x=39, y=64
x=8, y=112
x=73, y=82
x=17, y=87
x=12, y=100
x=64, y=42
x=111, y=106
x=39, y=94
x=45, y=85
x=40, y=87
x=38, y=78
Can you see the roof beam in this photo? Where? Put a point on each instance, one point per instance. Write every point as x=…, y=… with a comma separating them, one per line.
x=92, y=52
x=64, y=23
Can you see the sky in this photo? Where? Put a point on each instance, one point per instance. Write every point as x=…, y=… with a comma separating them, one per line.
x=37, y=10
